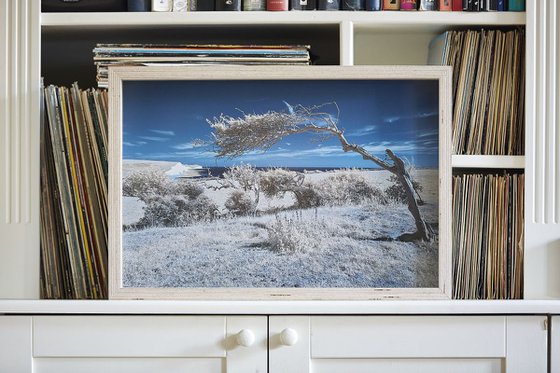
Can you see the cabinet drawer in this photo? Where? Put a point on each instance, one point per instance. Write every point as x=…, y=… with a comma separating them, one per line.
x=408, y=336
x=129, y=336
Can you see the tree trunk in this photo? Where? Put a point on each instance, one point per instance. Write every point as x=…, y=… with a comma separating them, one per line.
x=423, y=231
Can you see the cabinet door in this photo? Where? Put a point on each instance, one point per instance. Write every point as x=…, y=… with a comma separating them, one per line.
x=111, y=344
x=555, y=345
x=333, y=344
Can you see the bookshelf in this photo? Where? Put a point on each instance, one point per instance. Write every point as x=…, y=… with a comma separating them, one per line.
x=346, y=38
x=425, y=21
x=523, y=333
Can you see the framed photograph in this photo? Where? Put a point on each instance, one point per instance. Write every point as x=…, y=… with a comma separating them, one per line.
x=313, y=182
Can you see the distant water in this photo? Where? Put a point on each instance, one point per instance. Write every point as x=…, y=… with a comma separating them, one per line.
x=219, y=171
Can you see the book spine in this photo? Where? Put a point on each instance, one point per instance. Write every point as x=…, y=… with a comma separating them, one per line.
x=328, y=5
x=304, y=4
x=502, y=5
x=391, y=4
x=277, y=5
x=201, y=5
x=408, y=5
x=491, y=5
x=162, y=5
x=471, y=5
x=228, y=5
x=353, y=5
x=373, y=5
x=428, y=5
x=457, y=5
x=516, y=5
x=180, y=6
x=250, y=5
x=445, y=5
x=139, y=5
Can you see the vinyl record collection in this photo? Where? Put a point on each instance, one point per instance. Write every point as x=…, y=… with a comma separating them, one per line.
x=353, y=5
x=488, y=236
x=488, y=89
x=106, y=55
x=74, y=194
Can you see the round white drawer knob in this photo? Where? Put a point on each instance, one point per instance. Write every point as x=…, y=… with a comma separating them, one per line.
x=245, y=338
x=288, y=337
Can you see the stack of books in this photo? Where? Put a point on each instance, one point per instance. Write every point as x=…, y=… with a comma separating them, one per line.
x=488, y=89
x=74, y=194
x=106, y=55
x=488, y=236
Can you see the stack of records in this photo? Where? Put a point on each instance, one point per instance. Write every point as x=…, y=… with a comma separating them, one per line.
x=488, y=89
x=106, y=55
x=488, y=236
x=74, y=194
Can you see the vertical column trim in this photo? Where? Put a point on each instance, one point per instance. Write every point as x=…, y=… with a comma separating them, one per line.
x=20, y=40
x=8, y=112
x=543, y=92
x=346, y=43
x=550, y=137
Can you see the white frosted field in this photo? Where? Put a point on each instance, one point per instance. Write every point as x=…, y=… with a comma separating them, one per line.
x=338, y=246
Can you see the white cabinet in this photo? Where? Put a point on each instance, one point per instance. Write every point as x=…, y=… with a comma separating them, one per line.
x=111, y=344
x=333, y=344
x=274, y=344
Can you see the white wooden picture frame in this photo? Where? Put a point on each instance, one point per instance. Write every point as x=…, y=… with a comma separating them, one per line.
x=130, y=275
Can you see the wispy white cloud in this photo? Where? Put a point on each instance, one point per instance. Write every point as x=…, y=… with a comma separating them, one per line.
x=407, y=117
x=154, y=138
x=135, y=143
x=367, y=130
x=184, y=146
x=163, y=132
x=429, y=133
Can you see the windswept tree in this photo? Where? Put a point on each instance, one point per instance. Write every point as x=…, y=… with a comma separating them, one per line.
x=235, y=136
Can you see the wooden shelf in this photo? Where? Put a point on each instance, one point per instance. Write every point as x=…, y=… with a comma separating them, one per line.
x=488, y=161
x=366, y=20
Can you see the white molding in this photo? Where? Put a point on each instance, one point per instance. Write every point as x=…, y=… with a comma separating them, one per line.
x=542, y=149
x=488, y=161
x=346, y=43
x=226, y=307
x=543, y=141
x=19, y=144
x=410, y=20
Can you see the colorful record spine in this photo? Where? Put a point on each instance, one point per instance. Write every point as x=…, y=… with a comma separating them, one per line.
x=277, y=5
x=408, y=5
x=391, y=4
x=328, y=5
x=374, y=5
x=457, y=5
x=516, y=5
x=428, y=5
x=228, y=5
x=304, y=4
x=353, y=5
x=250, y=5
x=445, y=5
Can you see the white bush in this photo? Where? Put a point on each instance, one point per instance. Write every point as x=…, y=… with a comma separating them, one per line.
x=240, y=203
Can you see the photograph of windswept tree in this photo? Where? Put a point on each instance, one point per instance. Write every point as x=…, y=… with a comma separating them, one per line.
x=280, y=184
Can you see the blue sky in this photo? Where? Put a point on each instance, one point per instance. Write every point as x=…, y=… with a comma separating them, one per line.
x=162, y=120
